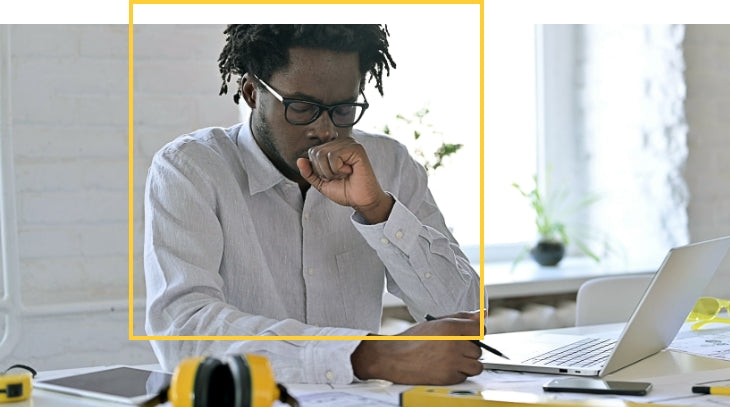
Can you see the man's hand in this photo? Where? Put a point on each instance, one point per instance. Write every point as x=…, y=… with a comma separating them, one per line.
x=341, y=171
x=430, y=362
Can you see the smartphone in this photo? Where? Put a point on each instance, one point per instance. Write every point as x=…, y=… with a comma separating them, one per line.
x=597, y=386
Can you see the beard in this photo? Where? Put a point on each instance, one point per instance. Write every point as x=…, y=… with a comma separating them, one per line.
x=262, y=133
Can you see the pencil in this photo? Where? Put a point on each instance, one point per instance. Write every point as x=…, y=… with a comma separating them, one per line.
x=481, y=344
x=725, y=391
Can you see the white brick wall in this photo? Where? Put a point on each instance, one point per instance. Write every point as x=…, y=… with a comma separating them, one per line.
x=707, y=60
x=68, y=128
x=70, y=206
x=69, y=134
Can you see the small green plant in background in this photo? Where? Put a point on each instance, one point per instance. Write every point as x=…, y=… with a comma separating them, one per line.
x=553, y=212
x=425, y=135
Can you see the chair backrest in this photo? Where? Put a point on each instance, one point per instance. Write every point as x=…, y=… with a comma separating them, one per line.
x=605, y=300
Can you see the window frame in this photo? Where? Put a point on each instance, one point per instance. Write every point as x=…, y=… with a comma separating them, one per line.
x=556, y=123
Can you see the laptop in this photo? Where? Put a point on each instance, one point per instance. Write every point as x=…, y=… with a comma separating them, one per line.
x=680, y=281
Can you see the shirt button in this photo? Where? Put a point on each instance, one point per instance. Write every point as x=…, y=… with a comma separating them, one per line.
x=330, y=375
x=398, y=234
x=310, y=271
x=384, y=241
x=427, y=275
x=306, y=215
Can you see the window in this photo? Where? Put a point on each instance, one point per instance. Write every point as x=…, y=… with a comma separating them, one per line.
x=509, y=134
x=557, y=104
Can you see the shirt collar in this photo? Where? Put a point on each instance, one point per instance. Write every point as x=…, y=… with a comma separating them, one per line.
x=261, y=173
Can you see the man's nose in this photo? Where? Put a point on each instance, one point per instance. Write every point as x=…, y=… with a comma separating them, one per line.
x=323, y=128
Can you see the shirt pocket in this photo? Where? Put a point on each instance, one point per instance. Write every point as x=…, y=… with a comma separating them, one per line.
x=361, y=281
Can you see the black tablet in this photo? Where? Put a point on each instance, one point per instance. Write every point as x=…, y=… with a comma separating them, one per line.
x=119, y=384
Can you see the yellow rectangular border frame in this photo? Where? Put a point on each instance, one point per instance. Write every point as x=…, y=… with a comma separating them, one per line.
x=130, y=155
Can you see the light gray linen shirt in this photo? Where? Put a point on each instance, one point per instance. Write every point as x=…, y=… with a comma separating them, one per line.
x=231, y=248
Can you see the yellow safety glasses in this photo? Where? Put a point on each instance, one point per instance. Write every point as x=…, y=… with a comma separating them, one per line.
x=706, y=310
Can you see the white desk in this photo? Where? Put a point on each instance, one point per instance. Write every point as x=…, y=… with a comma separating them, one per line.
x=671, y=371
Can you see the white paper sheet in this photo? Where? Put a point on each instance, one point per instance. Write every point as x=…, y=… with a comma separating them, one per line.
x=713, y=342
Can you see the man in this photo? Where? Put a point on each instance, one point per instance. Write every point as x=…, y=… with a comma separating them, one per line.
x=292, y=222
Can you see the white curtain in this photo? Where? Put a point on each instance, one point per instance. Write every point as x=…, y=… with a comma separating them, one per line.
x=632, y=134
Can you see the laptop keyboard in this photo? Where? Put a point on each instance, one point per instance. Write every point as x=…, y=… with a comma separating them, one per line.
x=586, y=352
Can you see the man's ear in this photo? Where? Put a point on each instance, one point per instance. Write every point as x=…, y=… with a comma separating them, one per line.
x=248, y=91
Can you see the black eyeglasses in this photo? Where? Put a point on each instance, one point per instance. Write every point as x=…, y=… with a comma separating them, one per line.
x=301, y=112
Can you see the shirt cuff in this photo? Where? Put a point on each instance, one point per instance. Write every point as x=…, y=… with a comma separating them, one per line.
x=400, y=230
x=328, y=361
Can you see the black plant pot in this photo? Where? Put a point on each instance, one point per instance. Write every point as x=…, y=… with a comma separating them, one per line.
x=548, y=252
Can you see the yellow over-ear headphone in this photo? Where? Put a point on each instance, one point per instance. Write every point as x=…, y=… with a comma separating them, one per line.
x=16, y=386
x=236, y=381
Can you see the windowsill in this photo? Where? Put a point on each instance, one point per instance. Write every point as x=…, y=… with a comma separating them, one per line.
x=529, y=279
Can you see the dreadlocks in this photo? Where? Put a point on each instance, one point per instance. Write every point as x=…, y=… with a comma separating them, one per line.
x=264, y=49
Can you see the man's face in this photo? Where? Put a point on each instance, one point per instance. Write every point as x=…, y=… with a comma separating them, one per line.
x=315, y=75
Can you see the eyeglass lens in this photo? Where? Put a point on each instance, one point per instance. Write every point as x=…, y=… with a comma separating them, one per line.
x=706, y=308
x=342, y=115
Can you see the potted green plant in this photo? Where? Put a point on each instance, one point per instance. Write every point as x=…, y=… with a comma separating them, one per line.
x=552, y=212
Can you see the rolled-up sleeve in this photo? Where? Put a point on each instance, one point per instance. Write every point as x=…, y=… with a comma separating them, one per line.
x=425, y=266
